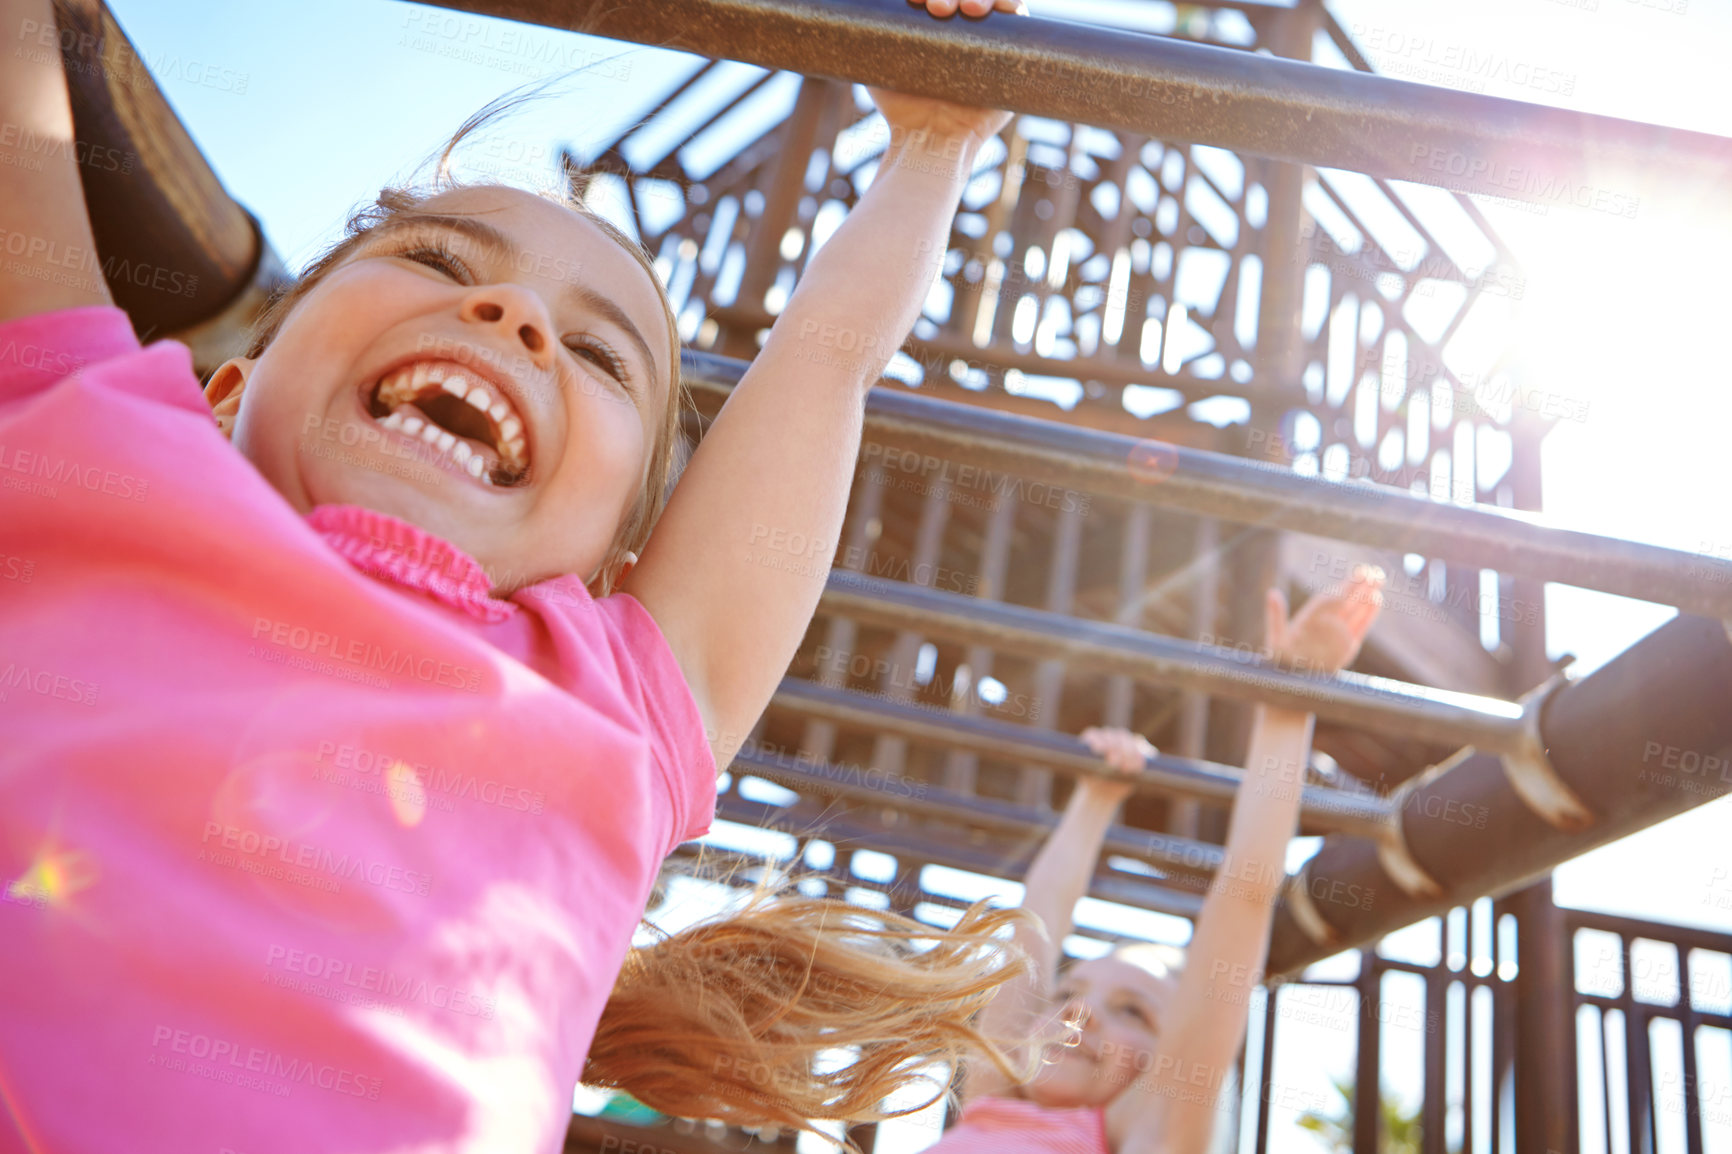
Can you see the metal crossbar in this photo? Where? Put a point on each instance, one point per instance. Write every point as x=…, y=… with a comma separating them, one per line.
x=1324, y=809
x=1172, y=89
x=1252, y=492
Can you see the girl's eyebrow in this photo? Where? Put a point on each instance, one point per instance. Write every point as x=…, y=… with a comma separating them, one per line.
x=495, y=243
x=589, y=300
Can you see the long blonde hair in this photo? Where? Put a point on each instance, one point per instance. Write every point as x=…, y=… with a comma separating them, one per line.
x=744, y=1018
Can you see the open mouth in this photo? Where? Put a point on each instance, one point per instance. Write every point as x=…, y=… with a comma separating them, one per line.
x=458, y=415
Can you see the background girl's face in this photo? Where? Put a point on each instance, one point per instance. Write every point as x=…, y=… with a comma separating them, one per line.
x=490, y=366
x=1122, y=1006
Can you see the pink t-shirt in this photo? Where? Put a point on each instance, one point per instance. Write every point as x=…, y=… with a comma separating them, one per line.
x=1017, y=1126
x=306, y=844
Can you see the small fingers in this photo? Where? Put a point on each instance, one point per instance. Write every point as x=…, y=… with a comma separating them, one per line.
x=1121, y=749
x=938, y=8
x=1275, y=620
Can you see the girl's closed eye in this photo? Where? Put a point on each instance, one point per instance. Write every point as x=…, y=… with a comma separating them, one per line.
x=598, y=353
x=1138, y=1013
x=437, y=256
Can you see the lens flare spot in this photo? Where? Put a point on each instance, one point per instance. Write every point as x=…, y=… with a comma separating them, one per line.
x=54, y=877
x=407, y=793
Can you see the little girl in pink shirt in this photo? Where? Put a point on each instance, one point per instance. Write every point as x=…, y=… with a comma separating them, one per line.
x=344, y=733
x=1149, y=1067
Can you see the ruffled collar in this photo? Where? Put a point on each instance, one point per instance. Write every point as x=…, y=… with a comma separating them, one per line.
x=382, y=546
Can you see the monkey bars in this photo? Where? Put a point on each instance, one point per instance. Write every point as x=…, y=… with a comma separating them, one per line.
x=1176, y=90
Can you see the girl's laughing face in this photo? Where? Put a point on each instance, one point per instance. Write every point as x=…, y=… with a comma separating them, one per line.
x=490, y=366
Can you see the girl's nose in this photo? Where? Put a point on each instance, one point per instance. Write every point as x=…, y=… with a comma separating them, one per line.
x=518, y=315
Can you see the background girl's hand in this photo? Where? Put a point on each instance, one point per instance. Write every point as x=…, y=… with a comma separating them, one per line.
x=1326, y=634
x=1124, y=751
x=943, y=8
x=948, y=121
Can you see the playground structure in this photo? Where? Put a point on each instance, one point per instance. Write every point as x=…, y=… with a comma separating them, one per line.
x=1149, y=246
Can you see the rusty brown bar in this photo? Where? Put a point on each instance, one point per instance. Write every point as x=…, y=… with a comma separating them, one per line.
x=175, y=248
x=1324, y=809
x=1252, y=492
x=1641, y=739
x=1384, y=706
x=1176, y=90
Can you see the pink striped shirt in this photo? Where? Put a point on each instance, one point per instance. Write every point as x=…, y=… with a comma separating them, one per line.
x=306, y=843
x=1017, y=1126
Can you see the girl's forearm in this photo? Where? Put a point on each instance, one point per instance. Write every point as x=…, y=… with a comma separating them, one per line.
x=862, y=291
x=1232, y=931
x=1056, y=880
x=1059, y=876
x=1224, y=960
x=760, y=507
x=44, y=199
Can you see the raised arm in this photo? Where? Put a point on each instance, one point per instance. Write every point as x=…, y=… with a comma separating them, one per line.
x=1057, y=879
x=733, y=571
x=44, y=229
x=1175, y=1110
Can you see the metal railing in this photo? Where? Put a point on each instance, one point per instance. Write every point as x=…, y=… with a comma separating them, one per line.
x=1172, y=89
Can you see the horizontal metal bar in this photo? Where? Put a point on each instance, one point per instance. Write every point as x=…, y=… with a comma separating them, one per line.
x=1616, y=740
x=1162, y=851
x=1324, y=809
x=1372, y=703
x=994, y=861
x=1252, y=492
x=1177, y=90
x=168, y=211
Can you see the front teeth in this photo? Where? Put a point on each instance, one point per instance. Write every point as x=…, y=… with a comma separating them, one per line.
x=402, y=387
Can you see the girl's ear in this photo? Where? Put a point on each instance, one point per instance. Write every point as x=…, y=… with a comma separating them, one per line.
x=224, y=392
